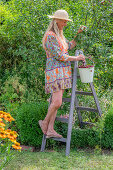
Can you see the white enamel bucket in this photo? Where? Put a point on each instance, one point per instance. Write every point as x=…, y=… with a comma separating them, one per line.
x=86, y=74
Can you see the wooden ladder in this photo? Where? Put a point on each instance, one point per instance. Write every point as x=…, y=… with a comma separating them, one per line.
x=74, y=103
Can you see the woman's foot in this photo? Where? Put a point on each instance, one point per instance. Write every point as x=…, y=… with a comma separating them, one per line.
x=53, y=134
x=43, y=126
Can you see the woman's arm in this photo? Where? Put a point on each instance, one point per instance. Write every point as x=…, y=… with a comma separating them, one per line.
x=77, y=58
x=56, y=52
x=73, y=42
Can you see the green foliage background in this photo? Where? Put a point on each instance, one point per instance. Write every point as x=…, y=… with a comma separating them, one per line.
x=23, y=24
x=22, y=58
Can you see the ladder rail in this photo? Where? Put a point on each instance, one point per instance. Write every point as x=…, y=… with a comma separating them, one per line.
x=44, y=136
x=96, y=99
x=43, y=143
x=71, y=106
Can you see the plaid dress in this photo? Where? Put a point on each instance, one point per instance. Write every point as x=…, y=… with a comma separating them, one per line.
x=58, y=70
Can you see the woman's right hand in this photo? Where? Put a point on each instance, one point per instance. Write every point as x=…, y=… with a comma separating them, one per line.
x=81, y=57
x=76, y=58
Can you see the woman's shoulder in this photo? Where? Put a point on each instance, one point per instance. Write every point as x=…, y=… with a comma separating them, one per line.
x=50, y=35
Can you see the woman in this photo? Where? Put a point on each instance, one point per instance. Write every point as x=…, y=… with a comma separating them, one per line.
x=58, y=67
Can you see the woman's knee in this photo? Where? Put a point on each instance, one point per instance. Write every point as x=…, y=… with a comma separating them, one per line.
x=57, y=99
x=57, y=103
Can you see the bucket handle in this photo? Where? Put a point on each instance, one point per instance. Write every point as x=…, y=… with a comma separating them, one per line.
x=88, y=57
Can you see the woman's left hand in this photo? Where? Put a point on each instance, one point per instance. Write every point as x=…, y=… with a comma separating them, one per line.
x=81, y=29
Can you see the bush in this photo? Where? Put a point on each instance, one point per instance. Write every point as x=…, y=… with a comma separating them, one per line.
x=101, y=134
x=84, y=138
x=30, y=134
x=107, y=137
x=28, y=115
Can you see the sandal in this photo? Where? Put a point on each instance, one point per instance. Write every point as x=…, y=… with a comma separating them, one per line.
x=54, y=135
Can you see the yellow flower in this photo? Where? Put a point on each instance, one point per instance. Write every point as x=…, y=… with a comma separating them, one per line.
x=15, y=134
x=2, y=124
x=2, y=114
x=7, y=131
x=8, y=117
x=3, y=135
x=11, y=135
x=16, y=146
x=1, y=129
x=13, y=140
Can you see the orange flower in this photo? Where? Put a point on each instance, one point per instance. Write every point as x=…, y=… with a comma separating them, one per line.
x=15, y=133
x=2, y=124
x=1, y=129
x=1, y=114
x=8, y=117
x=8, y=131
x=3, y=135
x=13, y=140
x=11, y=135
x=16, y=146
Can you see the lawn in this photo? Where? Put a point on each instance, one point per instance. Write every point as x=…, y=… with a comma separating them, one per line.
x=55, y=159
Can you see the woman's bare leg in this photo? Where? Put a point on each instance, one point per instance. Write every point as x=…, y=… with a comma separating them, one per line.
x=48, y=122
x=52, y=119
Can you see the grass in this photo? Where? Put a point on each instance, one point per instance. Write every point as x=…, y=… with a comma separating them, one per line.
x=55, y=160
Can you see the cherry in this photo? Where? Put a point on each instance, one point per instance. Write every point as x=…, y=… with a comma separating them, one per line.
x=87, y=66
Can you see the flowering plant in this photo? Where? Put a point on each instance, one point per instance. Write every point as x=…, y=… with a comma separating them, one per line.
x=7, y=138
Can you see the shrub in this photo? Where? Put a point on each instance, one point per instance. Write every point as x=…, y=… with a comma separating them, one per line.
x=84, y=138
x=28, y=115
x=101, y=135
x=107, y=137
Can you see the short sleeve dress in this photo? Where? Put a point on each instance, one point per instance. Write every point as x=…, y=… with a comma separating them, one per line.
x=58, y=73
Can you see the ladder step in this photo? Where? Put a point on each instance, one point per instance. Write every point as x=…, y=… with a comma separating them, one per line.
x=88, y=123
x=87, y=109
x=66, y=99
x=63, y=120
x=84, y=93
x=77, y=92
x=59, y=139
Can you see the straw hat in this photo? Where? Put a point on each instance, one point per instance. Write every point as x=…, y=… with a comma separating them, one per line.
x=60, y=14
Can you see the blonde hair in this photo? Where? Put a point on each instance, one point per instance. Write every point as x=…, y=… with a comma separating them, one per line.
x=53, y=27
